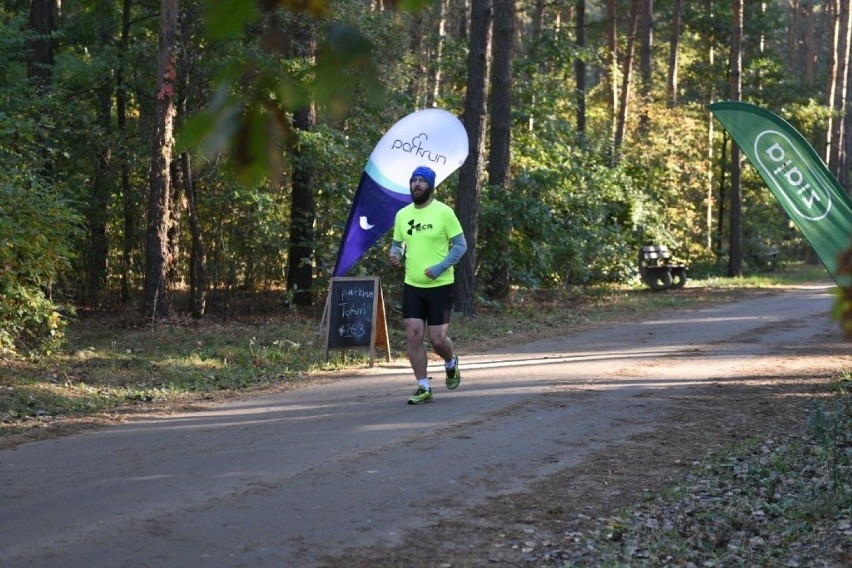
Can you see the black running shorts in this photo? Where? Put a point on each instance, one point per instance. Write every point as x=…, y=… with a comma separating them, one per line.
x=430, y=304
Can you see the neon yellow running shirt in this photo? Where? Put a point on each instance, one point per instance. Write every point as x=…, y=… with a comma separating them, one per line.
x=426, y=233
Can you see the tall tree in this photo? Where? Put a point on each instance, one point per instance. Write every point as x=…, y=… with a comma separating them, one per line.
x=612, y=65
x=470, y=174
x=189, y=56
x=711, y=125
x=833, y=52
x=646, y=47
x=159, y=182
x=627, y=77
x=844, y=173
x=443, y=9
x=102, y=180
x=300, y=264
x=838, y=89
x=42, y=23
x=646, y=62
x=121, y=109
x=810, y=42
x=674, y=49
x=735, y=249
x=499, y=154
x=580, y=67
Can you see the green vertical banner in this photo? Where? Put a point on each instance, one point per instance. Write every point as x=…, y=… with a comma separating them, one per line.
x=795, y=174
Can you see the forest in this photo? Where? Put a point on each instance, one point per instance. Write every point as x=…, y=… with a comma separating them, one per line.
x=161, y=154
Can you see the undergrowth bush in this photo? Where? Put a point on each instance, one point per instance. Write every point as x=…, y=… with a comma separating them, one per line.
x=36, y=232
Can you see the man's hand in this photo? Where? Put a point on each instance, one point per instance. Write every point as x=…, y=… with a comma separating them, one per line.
x=434, y=271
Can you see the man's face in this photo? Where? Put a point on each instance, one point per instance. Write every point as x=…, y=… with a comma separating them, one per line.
x=420, y=190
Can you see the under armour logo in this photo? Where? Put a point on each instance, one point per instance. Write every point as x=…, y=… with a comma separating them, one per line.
x=412, y=226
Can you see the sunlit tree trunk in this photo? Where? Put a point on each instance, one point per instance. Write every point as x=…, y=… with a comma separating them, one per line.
x=844, y=177
x=831, y=95
x=646, y=63
x=711, y=96
x=159, y=183
x=837, y=142
x=443, y=6
x=612, y=64
x=418, y=49
x=627, y=77
x=843, y=161
x=674, y=48
x=735, y=250
x=470, y=174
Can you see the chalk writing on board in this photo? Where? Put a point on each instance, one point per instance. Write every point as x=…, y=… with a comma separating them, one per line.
x=356, y=315
x=352, y=308
x=354, y=330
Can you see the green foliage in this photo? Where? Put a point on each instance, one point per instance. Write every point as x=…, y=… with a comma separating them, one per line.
x=249, y=120
x=830, y=425
x=570, y=215
x=36, y=237
x=570, y=222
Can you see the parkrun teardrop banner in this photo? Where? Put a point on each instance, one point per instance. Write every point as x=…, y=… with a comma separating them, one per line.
x=795, y=174
x=430, y=137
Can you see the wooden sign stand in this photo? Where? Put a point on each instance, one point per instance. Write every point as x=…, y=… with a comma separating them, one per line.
x=354, y=316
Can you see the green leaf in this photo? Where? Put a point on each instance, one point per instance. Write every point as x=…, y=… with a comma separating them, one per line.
x=227, y=18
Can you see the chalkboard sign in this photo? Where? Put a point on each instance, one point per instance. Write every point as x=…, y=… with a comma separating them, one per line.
x=355, y=315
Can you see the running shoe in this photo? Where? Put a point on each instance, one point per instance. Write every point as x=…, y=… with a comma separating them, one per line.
x=454, y=375
x=420, y=396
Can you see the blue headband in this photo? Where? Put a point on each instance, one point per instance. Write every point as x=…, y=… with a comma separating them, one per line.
x=426, y=173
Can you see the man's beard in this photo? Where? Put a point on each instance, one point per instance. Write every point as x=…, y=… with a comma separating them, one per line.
x=423, y=197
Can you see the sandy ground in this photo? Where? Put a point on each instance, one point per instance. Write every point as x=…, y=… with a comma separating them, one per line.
x=539, y=439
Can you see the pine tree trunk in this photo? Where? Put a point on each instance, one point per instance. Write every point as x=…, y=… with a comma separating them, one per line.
x=646, y=64
x=500, y=142
x=621, y=123
x=129, y=219
x=40, y=63
x=439, y=52
x=580, y=69
x=470, y=174
x=302, y=217
x=159, y=183
x=197, y=300
x=735, y=250
x=197, y=252
x=837, y=143
x=612, y=65
x=96, y=250
x=674, y=48
x=300, y=266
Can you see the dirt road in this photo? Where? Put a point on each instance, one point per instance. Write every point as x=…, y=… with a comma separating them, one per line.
x=347, y=474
